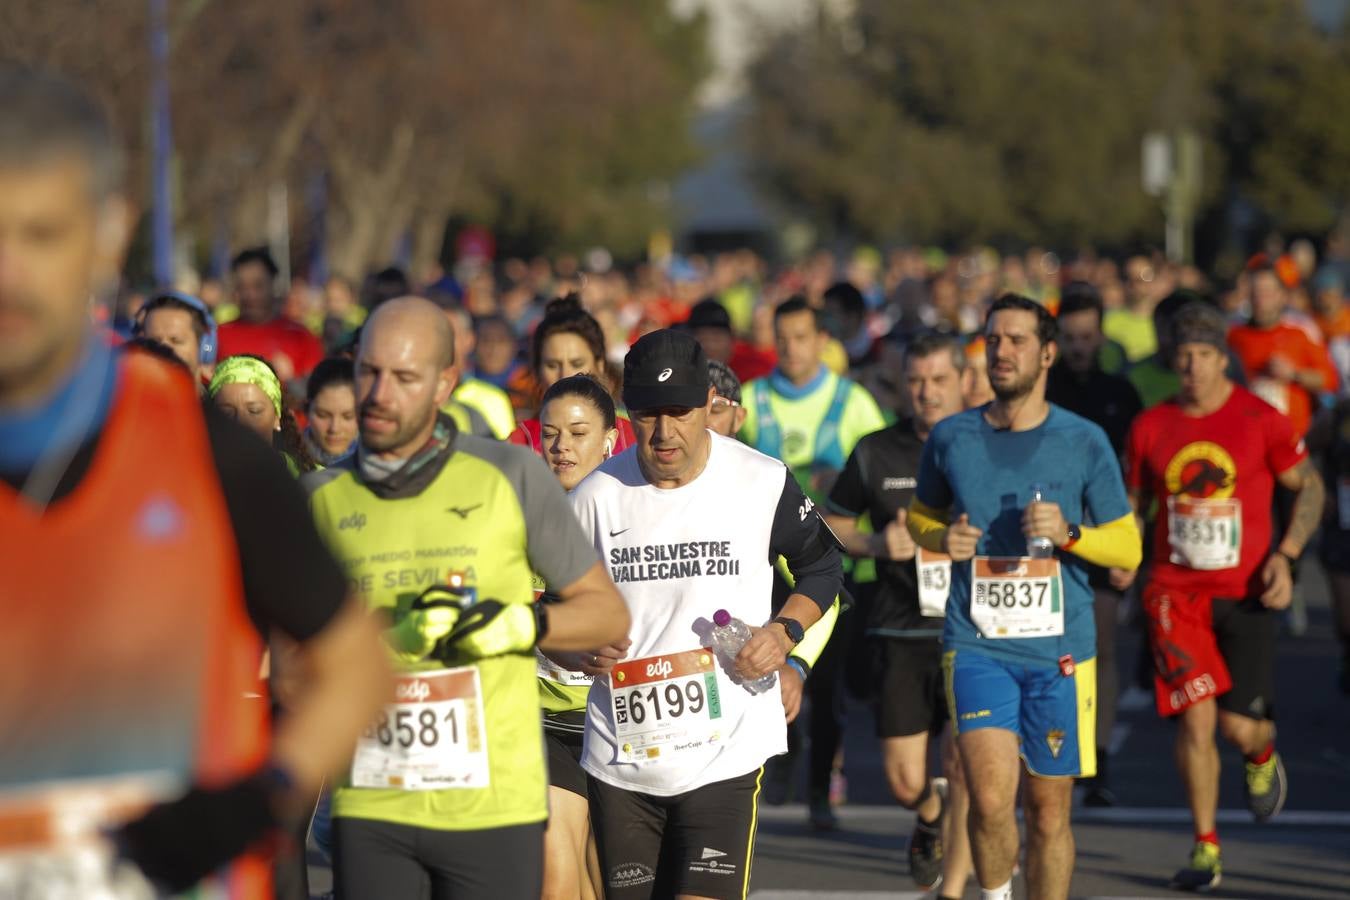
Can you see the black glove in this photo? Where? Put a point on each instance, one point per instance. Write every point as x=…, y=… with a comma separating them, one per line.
x=177, y=844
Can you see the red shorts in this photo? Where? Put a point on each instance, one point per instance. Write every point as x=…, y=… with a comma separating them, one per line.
x=1188, y=665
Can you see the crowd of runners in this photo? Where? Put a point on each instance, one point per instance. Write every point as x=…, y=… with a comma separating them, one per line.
x=533, y=578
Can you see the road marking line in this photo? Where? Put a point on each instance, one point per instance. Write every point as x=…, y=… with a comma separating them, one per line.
x=1144, y=815
x=1114, y=815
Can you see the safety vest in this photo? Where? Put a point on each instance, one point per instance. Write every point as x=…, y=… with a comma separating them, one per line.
x=491, y=402
x=827, y=450
x=126, y=642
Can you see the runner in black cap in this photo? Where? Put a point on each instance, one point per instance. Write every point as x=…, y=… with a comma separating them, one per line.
x=676, y=736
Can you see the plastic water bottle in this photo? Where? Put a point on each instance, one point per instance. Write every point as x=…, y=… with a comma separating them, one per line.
x=728, y=638
x=1039, y=547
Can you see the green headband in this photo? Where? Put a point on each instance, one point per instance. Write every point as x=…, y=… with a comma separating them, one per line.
x=247, y=370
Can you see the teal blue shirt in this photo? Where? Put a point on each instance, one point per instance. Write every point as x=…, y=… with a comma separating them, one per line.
x=970, y=467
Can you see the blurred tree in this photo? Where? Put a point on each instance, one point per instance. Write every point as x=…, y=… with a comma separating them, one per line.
x=102, y=43
x=563, y=113
x=973, y=121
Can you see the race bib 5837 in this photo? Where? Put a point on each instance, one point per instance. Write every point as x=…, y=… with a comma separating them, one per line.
x=1016, y=597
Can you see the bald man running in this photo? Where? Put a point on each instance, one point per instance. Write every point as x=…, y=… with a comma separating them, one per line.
x=446, y=795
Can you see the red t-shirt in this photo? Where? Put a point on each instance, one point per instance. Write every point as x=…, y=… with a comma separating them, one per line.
x=750, y=362
x=1232, y=454
x=1255, y=346
x=290, y=347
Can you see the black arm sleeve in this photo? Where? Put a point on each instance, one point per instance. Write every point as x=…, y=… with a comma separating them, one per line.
x=848, y=496
x=291, y=581
x=801, y=537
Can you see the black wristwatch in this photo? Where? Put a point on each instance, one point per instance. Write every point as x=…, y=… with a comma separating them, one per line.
x=794, y=629
x=1075, y=534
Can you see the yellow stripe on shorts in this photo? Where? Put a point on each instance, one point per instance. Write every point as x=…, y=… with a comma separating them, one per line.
x=754, y=823
x=1085, y=684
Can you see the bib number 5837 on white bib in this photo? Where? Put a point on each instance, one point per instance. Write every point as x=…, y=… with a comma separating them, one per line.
x=1016, y=597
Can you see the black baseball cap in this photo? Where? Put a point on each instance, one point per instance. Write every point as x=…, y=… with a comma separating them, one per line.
x=708, y=314
x=665, y=368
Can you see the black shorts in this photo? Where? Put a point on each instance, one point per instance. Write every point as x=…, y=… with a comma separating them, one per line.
x=564, y=760
x=1245, y=632
x=912, y=697
x=375, y=860
x=700, y=842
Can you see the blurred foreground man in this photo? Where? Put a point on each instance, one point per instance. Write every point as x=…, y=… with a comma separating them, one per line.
x=120, y=689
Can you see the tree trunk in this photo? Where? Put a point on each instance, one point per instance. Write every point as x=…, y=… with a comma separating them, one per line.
x=372, y=202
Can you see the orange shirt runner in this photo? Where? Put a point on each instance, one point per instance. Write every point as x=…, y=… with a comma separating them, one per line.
x=1257, y=346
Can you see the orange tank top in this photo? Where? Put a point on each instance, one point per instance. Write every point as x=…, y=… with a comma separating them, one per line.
x=126, y=647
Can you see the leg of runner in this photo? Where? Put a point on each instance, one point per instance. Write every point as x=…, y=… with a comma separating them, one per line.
x=628, y=827
x=911, y=706
x=565, y=842
x=1251, y=736
x=373, y=860
x=483, y=865
x=906, y=763
x=1049, y=837
x=992, y=766
x=1198, y=762
x=597, y=885
x=710, y=839
x=1246, y=635
x=956, y=863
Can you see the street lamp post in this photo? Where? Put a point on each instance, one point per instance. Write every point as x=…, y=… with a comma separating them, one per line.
x=161, y=223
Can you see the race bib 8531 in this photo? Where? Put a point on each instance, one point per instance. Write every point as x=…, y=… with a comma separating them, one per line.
x=1205, y=535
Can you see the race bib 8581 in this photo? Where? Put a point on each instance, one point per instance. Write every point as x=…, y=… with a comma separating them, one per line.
x=432, y=736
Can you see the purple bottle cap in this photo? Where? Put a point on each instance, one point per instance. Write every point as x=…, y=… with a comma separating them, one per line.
x=721, y=618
